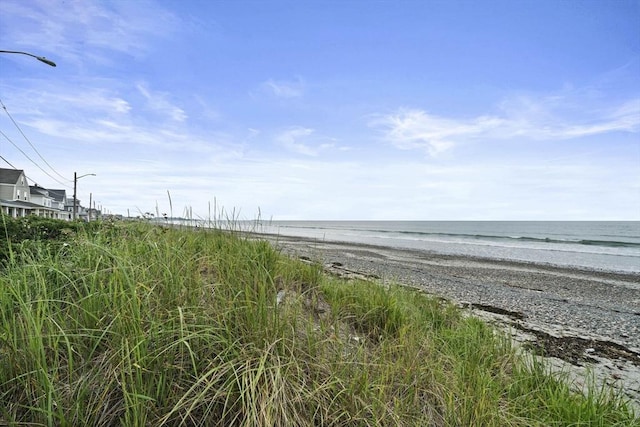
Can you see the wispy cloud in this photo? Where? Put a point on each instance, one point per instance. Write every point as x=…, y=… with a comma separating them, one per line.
x=305, y=141
x=86, y=97
x=102, y=133
x=98, y=116
x=159, y=102
x=566, y=116
x=284, y=89
x=415, y=129
x=523, y=117
x=124, y=27
x=292, y=139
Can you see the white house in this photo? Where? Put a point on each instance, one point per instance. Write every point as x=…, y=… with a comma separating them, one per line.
x=60, y=202
x=49, y=207
x=15, y=194
x=18, y=199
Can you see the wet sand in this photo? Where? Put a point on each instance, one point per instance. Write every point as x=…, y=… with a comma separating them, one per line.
x=581, y=320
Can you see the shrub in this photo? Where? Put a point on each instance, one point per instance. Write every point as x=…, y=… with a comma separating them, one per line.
x=20, y=231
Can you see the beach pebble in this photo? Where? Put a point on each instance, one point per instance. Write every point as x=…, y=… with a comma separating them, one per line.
x=565, y=302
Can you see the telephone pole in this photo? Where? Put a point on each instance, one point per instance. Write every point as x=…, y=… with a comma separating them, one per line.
x=75, y=186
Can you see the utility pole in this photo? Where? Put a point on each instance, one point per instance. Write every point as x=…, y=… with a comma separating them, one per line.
x=75, y=203
x=75, y=186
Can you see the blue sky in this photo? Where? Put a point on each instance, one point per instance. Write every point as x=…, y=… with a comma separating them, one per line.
x=425, y=110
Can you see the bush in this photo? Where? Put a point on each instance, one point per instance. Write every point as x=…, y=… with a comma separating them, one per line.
x=17, y=231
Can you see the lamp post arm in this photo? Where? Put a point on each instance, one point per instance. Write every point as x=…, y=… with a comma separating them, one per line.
x=82, y=176
x=39, y=58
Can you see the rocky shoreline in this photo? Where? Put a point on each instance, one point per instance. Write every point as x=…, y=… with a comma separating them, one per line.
x=582, y=321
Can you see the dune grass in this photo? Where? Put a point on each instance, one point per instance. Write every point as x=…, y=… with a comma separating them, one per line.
x=140, y=325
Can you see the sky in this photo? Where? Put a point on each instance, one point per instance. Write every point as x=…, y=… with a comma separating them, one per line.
x=328, y=110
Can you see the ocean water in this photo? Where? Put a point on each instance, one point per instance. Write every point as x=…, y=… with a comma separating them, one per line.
x=600, y=245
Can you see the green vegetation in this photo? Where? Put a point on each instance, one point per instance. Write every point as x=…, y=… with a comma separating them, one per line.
x=139, y=325
x=15, y=234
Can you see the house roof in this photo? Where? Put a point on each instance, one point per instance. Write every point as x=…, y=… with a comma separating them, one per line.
x=35, y=189
x=22, y=204
x=10, y=176
x=58, y=195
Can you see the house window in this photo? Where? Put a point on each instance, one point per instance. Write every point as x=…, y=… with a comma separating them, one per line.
x=18, y=193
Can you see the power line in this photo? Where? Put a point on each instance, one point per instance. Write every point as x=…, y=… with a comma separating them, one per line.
x=8, y=162
x=28, y=177
x=31, y=160
x=27, y=139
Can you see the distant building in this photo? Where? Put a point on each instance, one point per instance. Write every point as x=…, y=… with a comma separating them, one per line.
x=15, y=194
x=13, y=185
x=60, y=200
x=18, y=198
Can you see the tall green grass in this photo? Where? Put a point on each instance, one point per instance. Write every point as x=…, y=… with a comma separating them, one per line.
x=139, y=325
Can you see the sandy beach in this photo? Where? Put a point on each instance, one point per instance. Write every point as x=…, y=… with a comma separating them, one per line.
x=581, y=320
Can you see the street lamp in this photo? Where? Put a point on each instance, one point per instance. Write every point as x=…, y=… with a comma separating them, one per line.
x=39, y=58
x=75, y=186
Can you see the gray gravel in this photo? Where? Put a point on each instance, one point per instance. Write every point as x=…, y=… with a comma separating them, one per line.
x=529, y=300
x=576, y=301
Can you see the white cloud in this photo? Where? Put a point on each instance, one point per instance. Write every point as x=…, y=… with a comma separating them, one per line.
x=124, y=27
x=158, y=101
x=312, y=188
x=93, y=116
x=565, y=116
x=86, y=97
x=301, y=140
x=416, y=129
x=626, y=116
x=544, y=119
x=291, y=140
x=284, y=89
x=205, y=110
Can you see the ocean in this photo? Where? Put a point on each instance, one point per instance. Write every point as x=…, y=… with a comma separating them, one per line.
x=600, y=245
